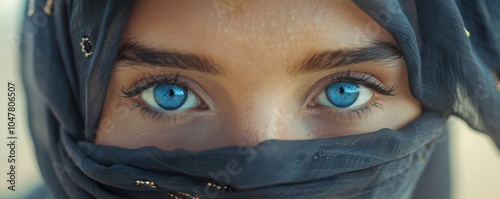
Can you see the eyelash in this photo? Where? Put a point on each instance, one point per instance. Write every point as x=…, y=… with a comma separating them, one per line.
x=146, y=83
x=357, y=78
x=362, y=79
x=365, y=80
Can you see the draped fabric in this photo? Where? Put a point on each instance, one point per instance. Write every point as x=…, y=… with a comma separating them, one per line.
x=449, y=73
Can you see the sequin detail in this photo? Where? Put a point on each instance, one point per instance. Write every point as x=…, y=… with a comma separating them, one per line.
x=86, y=46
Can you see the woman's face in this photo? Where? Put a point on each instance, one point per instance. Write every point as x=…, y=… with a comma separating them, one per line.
x=206, y=74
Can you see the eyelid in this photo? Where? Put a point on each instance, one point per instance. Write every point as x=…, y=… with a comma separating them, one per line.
x=150, y=80
x=357, y=77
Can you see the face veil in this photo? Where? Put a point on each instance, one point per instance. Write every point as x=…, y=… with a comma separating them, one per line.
x=67, y=64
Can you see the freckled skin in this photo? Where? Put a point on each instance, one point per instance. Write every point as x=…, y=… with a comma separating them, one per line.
x=255, y=43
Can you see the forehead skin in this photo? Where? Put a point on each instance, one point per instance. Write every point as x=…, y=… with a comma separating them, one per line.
x=262, y=29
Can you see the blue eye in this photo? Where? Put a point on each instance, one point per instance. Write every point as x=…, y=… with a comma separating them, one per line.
x=344, y=95
x=170, y=97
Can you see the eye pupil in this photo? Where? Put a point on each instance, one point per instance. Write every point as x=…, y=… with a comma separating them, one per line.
x=170, y=96
x=342, y=94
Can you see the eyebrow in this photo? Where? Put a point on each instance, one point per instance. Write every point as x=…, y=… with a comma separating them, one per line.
x=132, y=54
x=329, y=59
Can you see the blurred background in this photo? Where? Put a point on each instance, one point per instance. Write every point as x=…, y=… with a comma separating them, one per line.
x=475, y=160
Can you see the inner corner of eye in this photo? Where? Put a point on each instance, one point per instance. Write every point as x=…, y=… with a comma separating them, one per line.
x=148, y=97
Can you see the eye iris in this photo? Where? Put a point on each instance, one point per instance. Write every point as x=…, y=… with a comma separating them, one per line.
x=170, y=96
x=342, y=94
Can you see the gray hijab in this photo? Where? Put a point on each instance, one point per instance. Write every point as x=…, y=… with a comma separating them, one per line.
x=449, y=73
